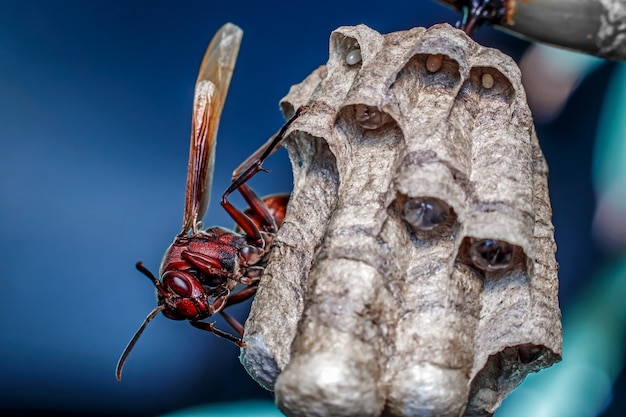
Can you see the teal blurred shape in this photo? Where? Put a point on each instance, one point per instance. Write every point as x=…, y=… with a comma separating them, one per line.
x=238, y=409
x=609, y=167
x=610, y=150
x=594, y=335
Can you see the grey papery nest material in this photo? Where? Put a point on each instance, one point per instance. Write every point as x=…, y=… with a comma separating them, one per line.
x=381, y=296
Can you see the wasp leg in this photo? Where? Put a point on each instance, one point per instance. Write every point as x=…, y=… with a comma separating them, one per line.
x=254, y=273
x=237, y=298
x=210, y=328
x=478, y=12
x=258, y=208
x=252, y=168
x=259, y=212
x=237, y=327
x=252, y=159
x=241, y=296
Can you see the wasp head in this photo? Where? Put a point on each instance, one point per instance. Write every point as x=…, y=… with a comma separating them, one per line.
x=185, y=297
x=181, y=296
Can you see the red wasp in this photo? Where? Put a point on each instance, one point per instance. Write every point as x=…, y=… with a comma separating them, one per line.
x=201, y=267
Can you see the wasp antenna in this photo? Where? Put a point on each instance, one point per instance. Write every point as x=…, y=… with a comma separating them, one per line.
x=146, y=272
x=150, y=275
x=131, y=344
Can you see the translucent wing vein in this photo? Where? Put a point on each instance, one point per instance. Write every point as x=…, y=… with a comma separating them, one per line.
x=210, y=92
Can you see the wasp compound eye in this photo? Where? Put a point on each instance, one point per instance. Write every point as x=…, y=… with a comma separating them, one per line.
x=177, y=284
x=491, y=255
x=425, y=213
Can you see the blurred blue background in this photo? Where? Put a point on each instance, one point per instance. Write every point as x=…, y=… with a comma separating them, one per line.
x=95, y=111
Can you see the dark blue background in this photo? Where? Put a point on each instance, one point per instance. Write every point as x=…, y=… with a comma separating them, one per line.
x=95, y=111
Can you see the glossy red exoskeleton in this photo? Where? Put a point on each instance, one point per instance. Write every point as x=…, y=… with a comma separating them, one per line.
x=201, y=268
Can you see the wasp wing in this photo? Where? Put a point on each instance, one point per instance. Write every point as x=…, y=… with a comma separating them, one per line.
x=211, y=88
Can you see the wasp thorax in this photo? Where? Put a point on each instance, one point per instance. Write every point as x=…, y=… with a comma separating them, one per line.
x=491, y=255
x=369, y=117
x=353, y=57
x=433, y=62
x=425, y=213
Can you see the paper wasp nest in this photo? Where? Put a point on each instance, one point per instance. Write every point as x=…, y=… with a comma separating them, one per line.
x=414, y=274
